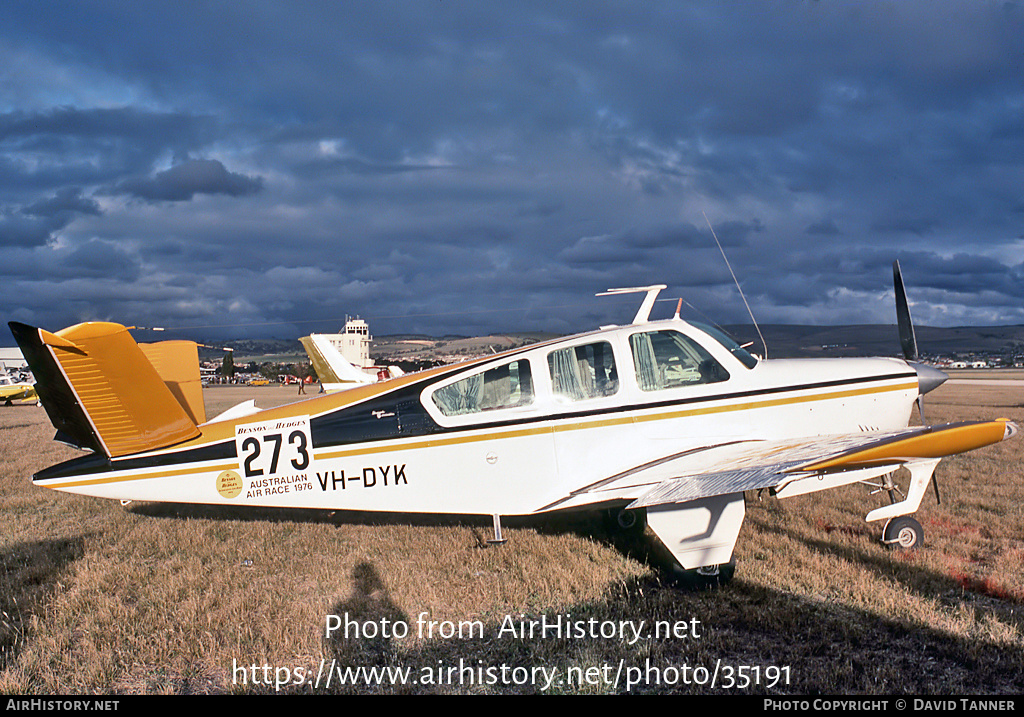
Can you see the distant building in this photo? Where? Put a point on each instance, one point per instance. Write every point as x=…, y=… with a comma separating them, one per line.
x=12, y=359
x=354, y=344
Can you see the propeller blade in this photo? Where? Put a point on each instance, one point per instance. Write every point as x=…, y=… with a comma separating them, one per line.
x=906, y=327
x=928, y=377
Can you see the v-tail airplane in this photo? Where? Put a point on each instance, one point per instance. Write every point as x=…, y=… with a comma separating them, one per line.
x=667, y=424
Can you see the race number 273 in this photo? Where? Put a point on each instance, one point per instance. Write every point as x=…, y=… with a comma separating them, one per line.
x=273, y=447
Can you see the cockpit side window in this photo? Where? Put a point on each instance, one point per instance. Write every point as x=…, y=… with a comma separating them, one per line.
x=582, y=372
x=668, y=359
x=506, y=386
x=746, y=358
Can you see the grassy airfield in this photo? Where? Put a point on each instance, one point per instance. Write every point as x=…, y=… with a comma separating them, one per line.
x=159, y=598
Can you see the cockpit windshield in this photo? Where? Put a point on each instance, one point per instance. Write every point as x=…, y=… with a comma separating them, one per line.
x=745, y=357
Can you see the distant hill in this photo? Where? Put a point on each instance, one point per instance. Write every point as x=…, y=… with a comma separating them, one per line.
x=450, y=348
x=246, y=350
x=784, y=341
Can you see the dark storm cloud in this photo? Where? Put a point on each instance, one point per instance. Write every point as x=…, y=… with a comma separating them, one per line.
x=61, y=124
x=64, y=203
x=97, y=259
x=965, y=273
x=19, y=229
x=307, y=161
x=36, y=224
x=65, y=145
x=183, y=181
x=825, y=227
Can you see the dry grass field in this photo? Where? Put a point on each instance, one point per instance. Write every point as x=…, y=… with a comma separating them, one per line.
x=155, y=598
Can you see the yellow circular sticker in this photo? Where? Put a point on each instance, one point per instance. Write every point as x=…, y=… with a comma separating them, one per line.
x=229, y=484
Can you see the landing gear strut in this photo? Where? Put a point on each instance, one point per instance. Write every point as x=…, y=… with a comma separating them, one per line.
x=902, y=532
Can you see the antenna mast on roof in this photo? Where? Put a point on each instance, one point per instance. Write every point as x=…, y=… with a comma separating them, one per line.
x=644, y=314
x=763, y=343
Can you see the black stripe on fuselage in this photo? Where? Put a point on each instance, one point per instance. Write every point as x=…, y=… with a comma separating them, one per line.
x=413, y=420
x=400, y=414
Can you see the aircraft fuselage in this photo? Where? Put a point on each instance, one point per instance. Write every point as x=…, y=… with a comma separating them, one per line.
x=509, y=434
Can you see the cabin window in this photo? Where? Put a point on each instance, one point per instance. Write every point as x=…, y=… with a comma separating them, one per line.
x=668, y=359
x=582, y=372
x=505, y=386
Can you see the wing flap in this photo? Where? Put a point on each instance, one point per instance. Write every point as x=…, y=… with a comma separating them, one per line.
x=706, y=485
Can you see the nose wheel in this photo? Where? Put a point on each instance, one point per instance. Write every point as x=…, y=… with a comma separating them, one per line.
x=711, y=577
x=902, y=533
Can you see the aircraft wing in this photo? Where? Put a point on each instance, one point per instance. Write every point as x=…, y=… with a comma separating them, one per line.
x=790, y=466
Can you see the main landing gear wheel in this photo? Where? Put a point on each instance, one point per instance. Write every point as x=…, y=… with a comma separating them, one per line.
x=627, y=522
x=903, y=533
x=709, y=577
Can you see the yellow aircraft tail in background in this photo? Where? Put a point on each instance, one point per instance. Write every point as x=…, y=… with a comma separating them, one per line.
x=334, y=370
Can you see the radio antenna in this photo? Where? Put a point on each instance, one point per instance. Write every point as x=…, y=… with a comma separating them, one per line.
x=763, y=343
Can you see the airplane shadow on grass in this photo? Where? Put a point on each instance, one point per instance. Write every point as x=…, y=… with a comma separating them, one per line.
x=28, y=571
x=594, y=525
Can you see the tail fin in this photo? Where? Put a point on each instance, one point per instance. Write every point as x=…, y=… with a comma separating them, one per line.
x=101, y=391
x=177, y=363
x=330, y=365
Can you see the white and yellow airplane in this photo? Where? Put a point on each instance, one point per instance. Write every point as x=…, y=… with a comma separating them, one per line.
x=665, y=422
x=12, y=390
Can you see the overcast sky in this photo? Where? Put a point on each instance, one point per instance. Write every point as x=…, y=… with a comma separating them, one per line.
x=267, y=168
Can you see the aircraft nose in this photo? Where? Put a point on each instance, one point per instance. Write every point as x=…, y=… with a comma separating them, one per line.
x=929, y=378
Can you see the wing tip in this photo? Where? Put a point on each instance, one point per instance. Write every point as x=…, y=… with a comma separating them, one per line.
x=1010, y=428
